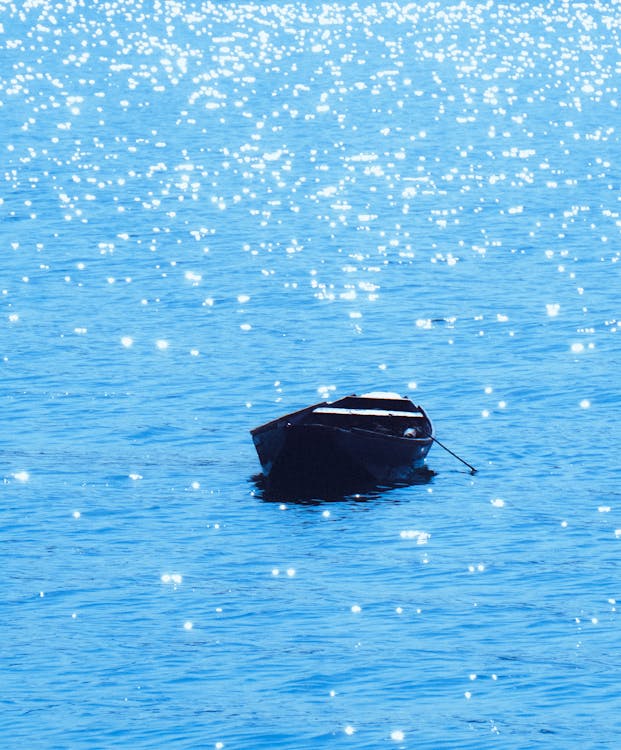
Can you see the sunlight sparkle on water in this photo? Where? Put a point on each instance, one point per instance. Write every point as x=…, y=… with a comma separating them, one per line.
x=421, y=537
x=175, y=578
x=195, y=278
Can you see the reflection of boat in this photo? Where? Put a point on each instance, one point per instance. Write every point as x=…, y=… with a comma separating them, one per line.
x=376, y=438
x=334, y=490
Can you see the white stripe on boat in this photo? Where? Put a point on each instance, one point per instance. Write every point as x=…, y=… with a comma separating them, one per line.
x=366, y=412
x=383, y=394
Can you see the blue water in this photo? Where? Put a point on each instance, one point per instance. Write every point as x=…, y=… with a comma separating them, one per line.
x=212, y=214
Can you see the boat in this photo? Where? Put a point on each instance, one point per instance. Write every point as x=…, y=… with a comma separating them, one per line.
x=377, y=438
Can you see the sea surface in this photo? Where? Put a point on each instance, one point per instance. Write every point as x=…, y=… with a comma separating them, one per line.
x=215, y=213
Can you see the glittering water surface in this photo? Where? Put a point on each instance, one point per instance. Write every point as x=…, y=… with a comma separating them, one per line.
x=212, y=214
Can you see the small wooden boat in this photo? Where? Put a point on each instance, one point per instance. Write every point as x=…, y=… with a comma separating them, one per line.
x=376, y=438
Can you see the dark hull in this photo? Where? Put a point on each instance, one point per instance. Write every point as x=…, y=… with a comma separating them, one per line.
x=317, y=457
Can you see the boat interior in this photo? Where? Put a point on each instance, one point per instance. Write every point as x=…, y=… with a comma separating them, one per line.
x=358, y=413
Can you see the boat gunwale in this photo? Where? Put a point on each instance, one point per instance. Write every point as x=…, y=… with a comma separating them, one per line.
x=275, y=423
x=366, y=432
x=424, y=439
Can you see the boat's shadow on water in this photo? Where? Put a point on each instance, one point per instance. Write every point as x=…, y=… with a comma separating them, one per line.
x=331, y=491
